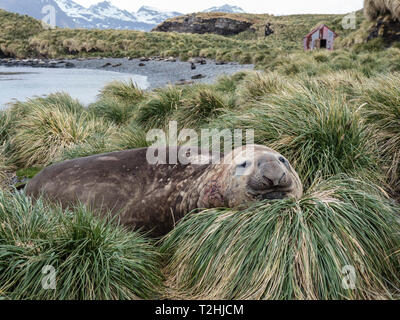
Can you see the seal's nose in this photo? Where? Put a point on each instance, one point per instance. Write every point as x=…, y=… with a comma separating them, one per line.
x=274, y=181
x=272, y=171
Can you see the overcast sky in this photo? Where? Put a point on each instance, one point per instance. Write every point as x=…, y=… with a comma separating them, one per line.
x=253, y=6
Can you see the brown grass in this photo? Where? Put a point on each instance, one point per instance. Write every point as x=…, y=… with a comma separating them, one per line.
x=252, y=18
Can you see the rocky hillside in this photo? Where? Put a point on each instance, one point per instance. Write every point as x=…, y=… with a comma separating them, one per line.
x=225, y=24
x=386, y=29
x=384, y=17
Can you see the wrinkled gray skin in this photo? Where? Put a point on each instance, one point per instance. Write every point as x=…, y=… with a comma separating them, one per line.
x=154, y=198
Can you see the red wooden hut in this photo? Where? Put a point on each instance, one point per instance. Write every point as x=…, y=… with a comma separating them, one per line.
x=320, y=37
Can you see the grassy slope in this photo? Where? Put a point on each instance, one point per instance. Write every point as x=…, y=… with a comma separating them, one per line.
x=246, y=47
x=15, y=33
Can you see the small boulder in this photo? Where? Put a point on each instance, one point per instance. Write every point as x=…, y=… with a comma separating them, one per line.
x=183, y=82
x=198, y=60
x=198, y=76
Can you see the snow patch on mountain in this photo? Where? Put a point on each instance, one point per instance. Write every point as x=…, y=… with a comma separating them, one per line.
x=153, y=15
x=225, y=8
x=106, y=10
x=75, y=10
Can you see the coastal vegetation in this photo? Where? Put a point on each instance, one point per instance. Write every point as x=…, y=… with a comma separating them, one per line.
x=247, y=47
x=339, y=130
x=289, y=249
x=92, y=259
x=334, y=115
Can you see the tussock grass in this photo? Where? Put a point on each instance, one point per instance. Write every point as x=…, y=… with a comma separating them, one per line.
x=49, y=127
x=158, y=108
x=96, y=144
x=229, y=84
x=201, y=105
x=59, y=101
x=114, y=110
x=126, y=92
x=93, y=259
x=381, y=108
x=345, y=83
x=257, y=85
x=5, y=167
x=5, y=125
x=130, y=137
x=377, y=44
x=318, y=130
x=289, y=249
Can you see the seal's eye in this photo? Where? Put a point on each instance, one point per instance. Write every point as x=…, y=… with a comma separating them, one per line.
x=245, y=164
x=283, y=160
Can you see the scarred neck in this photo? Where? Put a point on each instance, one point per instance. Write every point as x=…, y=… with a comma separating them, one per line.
x=207, y=191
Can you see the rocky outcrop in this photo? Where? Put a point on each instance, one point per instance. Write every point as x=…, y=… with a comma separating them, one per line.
x=225, y=25
x=386, y=28
x=268, y=30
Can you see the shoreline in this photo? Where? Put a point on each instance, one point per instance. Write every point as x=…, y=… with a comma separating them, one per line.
x=159, y=71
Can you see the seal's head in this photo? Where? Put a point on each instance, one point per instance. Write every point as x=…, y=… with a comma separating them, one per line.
x=258, y=173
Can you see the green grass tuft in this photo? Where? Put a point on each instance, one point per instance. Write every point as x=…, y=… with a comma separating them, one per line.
x=93, y=259
x=48, y=126
x=201, y=105
x=161, y=104
x=113, y=110
x=318, y=130
x=130, y=137
x=258, y=85
x=126, y=92
x=380, y=99
x=289, y=249
x=28, y=173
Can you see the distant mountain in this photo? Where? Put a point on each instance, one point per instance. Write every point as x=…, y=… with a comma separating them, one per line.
x=226, y=8
x=103, y=15
x=154, y=16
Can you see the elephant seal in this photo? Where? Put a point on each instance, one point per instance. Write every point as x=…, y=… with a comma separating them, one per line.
x=154, y=197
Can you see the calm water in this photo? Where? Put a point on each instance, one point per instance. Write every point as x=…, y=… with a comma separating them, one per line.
x=84, y=84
